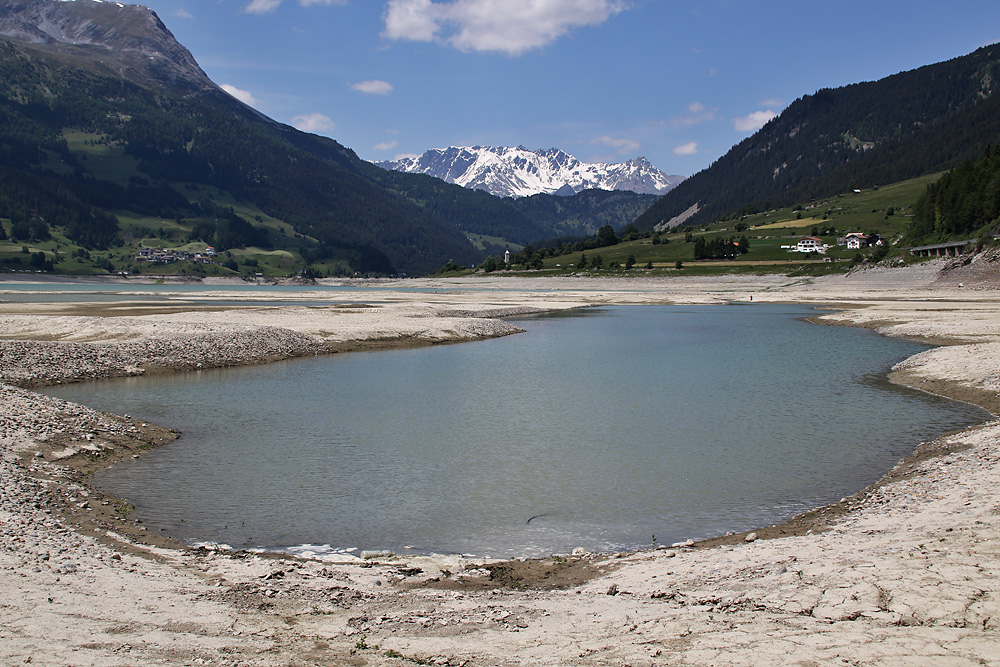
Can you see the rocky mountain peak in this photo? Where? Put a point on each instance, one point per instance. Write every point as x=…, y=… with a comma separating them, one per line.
x=129, y=39
x=519, y=172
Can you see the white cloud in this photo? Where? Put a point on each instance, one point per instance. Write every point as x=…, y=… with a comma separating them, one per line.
x=697, y=113
x=386, y=145
x=266, y=6
x=242, y=95
x=622, y=146
x=262, y=6
x=505, y=26
x=687, y=149
x=313, y=122
x=754, y=121
x=373, y=87
x=182, y=14
x=412, y=19
x=771, y=102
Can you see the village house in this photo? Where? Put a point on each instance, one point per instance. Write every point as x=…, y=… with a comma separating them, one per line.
x=856, y=241
x=810, y=244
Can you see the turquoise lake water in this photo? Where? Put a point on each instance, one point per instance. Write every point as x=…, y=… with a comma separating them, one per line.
x=598, y=429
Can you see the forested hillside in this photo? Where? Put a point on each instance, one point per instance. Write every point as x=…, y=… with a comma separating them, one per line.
x=858, y=136
x=584, y=213
x=169, y=143
x=963, y=203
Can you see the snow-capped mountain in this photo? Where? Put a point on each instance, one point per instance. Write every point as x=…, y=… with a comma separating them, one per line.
x=519, y=172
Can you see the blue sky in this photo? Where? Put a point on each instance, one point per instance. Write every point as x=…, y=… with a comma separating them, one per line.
x=606, y=80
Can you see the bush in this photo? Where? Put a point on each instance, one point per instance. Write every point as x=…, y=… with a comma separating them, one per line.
x=39, y=261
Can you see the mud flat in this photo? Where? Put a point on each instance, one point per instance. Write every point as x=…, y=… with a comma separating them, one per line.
x=906, y=572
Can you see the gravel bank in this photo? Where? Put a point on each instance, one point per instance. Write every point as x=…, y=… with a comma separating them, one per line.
x=43, y=349
x=34, y=363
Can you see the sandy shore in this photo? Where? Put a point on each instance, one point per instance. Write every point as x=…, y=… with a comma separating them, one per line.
x=904, y=573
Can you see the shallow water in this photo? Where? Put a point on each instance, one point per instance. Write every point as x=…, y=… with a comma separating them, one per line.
x=604, y=429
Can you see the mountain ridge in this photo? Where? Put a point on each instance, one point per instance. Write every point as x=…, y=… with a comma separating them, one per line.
x=519, y=172
x=129, y=40
x=862, y=135
x=184, y=145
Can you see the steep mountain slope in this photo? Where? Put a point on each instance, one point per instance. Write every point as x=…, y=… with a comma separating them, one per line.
x=85, y=79
x=862, y=135
x=128, y=40
x=519, y=172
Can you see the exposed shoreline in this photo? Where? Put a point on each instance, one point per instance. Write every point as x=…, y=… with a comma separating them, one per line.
x=912, y=303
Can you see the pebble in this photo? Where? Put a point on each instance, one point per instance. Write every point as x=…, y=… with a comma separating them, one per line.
x=34, y=363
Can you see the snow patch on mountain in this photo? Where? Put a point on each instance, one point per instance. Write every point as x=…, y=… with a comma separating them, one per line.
x=519, y=172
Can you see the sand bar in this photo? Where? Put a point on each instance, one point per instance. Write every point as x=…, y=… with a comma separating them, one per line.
x=904, y=573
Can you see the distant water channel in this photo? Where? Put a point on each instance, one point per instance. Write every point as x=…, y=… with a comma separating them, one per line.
x=599, y=429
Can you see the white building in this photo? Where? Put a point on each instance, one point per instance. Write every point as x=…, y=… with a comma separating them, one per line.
x=810, y=244
x=856, y=241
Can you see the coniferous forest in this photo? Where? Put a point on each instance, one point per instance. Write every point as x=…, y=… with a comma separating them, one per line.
x=964, y=203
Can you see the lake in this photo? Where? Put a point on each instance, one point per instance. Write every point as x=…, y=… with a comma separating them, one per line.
x=603, y=428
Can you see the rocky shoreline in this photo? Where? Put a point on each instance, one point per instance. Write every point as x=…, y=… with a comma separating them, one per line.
x=904, y=573
x=40, y=363
x=57, y=348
